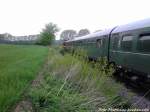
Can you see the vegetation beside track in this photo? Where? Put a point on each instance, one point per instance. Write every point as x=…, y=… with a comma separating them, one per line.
x=19, y=64
x=72, y=84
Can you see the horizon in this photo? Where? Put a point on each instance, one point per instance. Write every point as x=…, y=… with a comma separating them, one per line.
x=29, y=17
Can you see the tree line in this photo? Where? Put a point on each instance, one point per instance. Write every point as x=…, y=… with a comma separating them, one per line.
x=48, y=34
x=70, y=34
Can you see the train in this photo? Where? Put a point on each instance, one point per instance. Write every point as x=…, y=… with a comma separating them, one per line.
x=127, y=47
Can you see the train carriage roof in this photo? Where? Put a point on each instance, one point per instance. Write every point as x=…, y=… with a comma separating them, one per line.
x=92, y=35
x=133, y=26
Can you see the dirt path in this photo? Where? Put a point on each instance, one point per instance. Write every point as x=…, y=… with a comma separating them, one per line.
x=25, y=105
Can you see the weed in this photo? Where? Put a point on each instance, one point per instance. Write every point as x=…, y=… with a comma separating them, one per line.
x=72, y=84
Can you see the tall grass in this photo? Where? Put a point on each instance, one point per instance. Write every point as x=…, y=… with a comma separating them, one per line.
x=74, y=84
x=19, y=65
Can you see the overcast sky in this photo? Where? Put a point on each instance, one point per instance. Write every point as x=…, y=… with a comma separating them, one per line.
x=24, y=17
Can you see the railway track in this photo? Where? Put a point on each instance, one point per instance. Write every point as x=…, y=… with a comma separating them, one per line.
x=142, y=92
x=138, y=87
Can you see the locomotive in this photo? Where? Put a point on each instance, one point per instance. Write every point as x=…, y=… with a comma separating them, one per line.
x=126, y=46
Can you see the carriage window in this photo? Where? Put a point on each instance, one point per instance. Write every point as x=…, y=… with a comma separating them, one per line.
x=92, y=42
x=115, y=43
x=104, y=42
x=127, y=43
x=144, y=43
x=99, y=43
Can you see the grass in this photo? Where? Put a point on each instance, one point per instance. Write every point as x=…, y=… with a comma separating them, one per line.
x=46, y=97
x=72, y=84
x=19, y=64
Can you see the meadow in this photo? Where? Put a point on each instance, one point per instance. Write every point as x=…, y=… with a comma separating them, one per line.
x=19, y=65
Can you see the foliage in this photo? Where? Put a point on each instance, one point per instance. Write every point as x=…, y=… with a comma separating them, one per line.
x=45, y=97
x=18, y=66
x=97, y=31
x=47, y=36
x=83, y=32
x=67, y=35
x=72, y=84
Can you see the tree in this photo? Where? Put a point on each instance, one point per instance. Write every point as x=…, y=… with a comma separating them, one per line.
x=68, y=35
x=97, y=31
x=47, y=36
x=83, y=32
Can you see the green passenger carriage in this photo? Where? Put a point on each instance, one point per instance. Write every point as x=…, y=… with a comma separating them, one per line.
x=126, y=46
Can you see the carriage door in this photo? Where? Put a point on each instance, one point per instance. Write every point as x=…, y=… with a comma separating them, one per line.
x=99, y=44
x=115, y=44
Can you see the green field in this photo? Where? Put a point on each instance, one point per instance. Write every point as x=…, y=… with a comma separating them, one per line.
x=19, y=64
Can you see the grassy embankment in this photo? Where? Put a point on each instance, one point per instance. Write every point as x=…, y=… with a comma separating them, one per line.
x=72, y=84
x=19, y=65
